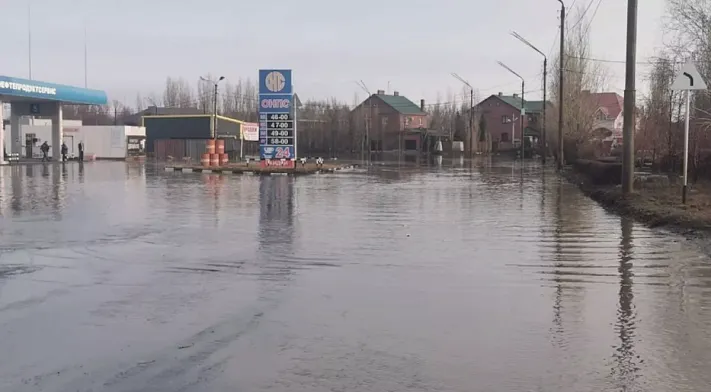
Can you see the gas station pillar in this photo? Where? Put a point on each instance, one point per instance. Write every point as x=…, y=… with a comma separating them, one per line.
x=57, y=132
x=2, y=137
x=15, y=145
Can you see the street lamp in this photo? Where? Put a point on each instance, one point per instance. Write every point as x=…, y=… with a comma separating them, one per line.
x=545, y=85
x=362, y=85
x=560, y=83
x=523, y=108
x=471, y=107
x=214, y=113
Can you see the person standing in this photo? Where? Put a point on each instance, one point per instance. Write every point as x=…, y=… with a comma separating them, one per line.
x=65, y=150
x=45, y=149
x=81, y=151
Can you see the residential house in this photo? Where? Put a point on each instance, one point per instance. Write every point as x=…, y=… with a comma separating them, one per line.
x=608, y=112
x=393, y=121
x=502, y=114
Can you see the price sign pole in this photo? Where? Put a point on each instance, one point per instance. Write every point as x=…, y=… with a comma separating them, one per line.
x=296, y=125
x=689, y=79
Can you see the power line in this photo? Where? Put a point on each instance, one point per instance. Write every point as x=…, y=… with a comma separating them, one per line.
x=622, y=61
x=593, y=16
x=582, y=16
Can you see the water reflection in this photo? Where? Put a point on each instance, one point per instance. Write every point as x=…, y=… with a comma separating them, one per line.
x=4, y=200
x=276, y=226
x=626, y=368
x=458, y=279
x=557, y=329
x=213, y=187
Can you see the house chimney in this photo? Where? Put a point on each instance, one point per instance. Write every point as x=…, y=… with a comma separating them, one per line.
x=515, y=95
x=422, y=105
x=396, y=93
x=501, y=94
x=381, y=92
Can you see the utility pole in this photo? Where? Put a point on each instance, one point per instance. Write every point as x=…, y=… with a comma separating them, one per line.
x=628, y=126
x=523, y=107
x=471, y=118
x=86, y=83
x=29, y=37
x=214, y=112
x=544, y=137
x=362, y=85
x=523, y=116
x=471, y=111
x=561, y=150
x=545, y=84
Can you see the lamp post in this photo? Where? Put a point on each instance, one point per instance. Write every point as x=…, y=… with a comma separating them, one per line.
x=214, y=112
x=362, y=85
x=545, y=85
x=628, y=126
x=523, y=107
x=561, y=158
x=471, y=108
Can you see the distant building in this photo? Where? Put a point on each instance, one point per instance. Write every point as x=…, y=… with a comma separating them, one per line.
x=608, y=118
x=393, y=121
x=502, y=114
x=136, y=119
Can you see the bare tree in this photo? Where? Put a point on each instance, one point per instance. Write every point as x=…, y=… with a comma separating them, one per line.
x=581, y=74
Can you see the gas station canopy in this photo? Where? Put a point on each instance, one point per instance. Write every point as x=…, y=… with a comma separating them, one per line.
x=35, y=98
x=23, y=90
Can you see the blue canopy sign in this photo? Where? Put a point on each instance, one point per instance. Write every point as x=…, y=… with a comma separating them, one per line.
x=32, y=89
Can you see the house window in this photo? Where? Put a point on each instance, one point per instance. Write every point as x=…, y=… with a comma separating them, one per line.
x=505, y=119
x=420, y=122
x=505, y=137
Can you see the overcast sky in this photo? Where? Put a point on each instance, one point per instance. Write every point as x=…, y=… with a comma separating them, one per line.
x=412, y=45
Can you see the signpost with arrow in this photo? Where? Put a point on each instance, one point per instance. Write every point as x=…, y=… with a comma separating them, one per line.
x=688, y=79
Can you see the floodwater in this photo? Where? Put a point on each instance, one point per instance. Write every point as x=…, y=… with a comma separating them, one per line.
x=120, y=277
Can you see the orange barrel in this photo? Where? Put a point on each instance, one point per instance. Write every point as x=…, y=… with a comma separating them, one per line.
x=220, y=146
x=210, y=146
x=214, y=159
x=205, y=160
x=224, y=159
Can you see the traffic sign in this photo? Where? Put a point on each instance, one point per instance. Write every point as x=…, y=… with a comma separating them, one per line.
x=689, y=78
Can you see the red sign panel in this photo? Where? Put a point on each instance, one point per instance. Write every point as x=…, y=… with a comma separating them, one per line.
x=283, y=163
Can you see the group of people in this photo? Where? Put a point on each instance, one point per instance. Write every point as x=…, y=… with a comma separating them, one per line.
x=44, y=148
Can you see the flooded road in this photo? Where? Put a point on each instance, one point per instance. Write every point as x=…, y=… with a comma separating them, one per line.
x=117, y=277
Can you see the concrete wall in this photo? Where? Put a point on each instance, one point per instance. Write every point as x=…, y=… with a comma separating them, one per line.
x=107, y=142
x=42, y=128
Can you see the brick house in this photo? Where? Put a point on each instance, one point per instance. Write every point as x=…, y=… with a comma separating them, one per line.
x=397, y=120
x=608, y=113
x=502, y=114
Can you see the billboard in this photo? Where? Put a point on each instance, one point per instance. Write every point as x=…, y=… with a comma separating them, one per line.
x=277, y=138
x=250, y=132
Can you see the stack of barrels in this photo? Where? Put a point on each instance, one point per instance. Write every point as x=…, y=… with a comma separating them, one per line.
x=215, y=153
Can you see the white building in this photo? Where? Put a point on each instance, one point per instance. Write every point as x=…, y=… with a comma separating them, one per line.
x=102, y=142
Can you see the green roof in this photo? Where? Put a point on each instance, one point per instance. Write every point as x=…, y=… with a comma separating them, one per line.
x=531, y=106
x=400, y=103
